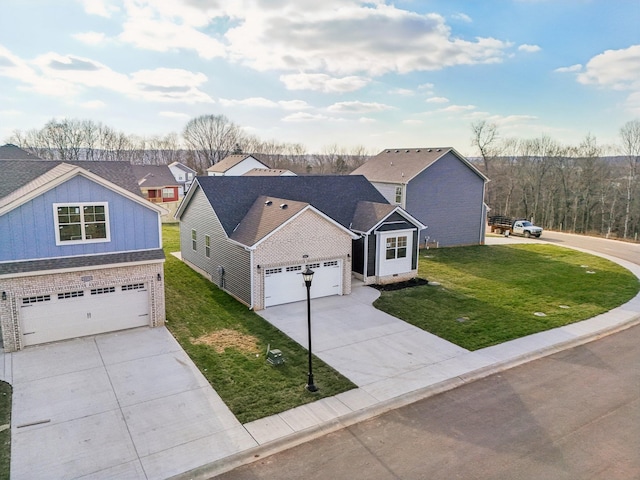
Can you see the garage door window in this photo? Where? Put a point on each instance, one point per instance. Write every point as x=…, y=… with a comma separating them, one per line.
x=38, y=299
x=100, y=291
x=62, y=296
x=81, y=223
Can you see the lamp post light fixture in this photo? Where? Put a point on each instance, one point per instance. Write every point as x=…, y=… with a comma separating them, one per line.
x=307, y=275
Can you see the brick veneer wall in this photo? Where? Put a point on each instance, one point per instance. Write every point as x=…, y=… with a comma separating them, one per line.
x=27, y=286
x=308, y=234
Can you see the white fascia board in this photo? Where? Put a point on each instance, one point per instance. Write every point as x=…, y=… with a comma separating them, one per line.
x=402, y=212
x=353, y=235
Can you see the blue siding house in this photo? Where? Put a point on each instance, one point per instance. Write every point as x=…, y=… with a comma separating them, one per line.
x=80, y=252
x=437, y=186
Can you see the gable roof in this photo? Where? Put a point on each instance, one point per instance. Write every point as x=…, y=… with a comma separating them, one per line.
x=153, y=176
x=182, y=167
x=13, y=152
x=369, y=215
x=231, y=161
x=336, y=196
x=400, y=165
x=24, y=180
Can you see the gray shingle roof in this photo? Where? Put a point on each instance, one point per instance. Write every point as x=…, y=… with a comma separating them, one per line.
x=369, y=214
x=153, y=176
x=334, y=195
x=399, y=165
x=80, y=262
x=12, y=152
x=265, y=215
x=17, y=173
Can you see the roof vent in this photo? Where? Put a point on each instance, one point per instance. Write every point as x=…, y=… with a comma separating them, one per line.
x=418, y=151
x=268, y=203
x=397, y=151
x=439, y=150
x=430, y=150
x=407, y=151
x=284, y=206
x=391, y=163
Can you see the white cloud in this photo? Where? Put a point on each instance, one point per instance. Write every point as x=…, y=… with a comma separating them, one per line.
x=367, y=120
x=321, y=82
x=426, y=86
x=463, y=17
x=401, y=91
x=529, y=48
x=358, y=107
x=304, y=117
x=249, y=102
x=457, y=108
x=573, y=68
x=294, y=104
x=437, y=100
x=339, y=40
x=616, y=69
x=90, y=38
x=102, y=8
x=170, y=85
x=163, y=25
x=413, y=122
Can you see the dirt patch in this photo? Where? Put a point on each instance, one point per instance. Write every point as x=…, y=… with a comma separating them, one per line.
x=225, y=338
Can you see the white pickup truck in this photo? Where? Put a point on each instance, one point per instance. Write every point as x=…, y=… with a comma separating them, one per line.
x=505, y=225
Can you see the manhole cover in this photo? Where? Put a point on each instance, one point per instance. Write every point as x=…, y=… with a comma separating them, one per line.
x=564, y=306
x=584, y=266
x=435, y=284
x=540, y=314
x=462, y=319
x=590, y=271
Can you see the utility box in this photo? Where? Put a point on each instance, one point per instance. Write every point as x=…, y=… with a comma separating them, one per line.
x=274, y=357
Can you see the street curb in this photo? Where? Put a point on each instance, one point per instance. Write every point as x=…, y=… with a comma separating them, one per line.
x=259, y=452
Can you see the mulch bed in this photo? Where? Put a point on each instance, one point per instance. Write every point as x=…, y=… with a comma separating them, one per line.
x=414, y=282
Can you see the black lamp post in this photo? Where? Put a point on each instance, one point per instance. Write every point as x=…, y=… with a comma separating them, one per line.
x=307, y=275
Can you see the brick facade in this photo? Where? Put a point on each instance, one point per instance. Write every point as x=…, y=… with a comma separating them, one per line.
x=308, y=234
x=15, y=288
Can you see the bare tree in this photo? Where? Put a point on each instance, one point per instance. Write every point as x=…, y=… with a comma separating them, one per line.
x=630, y=148
x=211, y=138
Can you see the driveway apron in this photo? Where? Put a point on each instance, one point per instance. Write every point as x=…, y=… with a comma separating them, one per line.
x=124, y=405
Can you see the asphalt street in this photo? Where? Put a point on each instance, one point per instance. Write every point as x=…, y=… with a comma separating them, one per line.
x=572, y=415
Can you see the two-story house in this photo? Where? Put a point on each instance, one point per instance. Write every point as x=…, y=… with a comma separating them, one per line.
x=80, y=252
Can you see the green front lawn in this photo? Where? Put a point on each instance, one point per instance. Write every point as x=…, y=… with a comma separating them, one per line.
x=5, y=429
x=228, y=343
x=491, y=294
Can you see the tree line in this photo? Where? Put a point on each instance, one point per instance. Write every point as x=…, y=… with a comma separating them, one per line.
x=568, y=188
x=203, y=142
x=573, y=188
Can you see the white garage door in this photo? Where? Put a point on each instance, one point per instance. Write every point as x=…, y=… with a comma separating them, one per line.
x=285, y=284
x=48, y=318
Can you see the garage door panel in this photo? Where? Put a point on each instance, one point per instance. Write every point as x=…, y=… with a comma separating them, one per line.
x=286, y=285
x=65, y=315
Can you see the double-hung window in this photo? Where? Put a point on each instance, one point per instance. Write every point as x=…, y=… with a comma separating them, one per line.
x=81, y=222
x=167, y=193
x=396, y=247
x=399, y=195
x=207, y=246
x=194, y=240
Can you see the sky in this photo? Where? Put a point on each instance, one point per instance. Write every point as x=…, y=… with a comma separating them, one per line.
x=377, y=74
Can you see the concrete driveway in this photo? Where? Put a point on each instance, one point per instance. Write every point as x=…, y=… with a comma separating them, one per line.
x=364, y=344
x=124, y=405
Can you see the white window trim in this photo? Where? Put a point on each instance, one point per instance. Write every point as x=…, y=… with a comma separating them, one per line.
x=81, y=241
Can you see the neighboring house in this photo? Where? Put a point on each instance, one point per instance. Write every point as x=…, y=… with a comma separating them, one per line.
x=12, y=152
x=183, y=175
x=80, y=252
x=156, y=183
x=235, y=165
x=252, y=236
x=438, y=186
x=270, y=172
